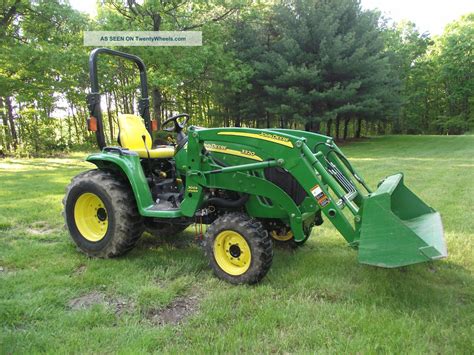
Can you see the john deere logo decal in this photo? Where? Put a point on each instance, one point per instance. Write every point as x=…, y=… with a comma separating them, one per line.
x=269, y=137
x=274, y=137
x=212, y=146
x=218, y=148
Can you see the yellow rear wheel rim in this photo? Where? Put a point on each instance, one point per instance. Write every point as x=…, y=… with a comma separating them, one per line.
x=91, y=217
x=232, y=252
x=282, y=237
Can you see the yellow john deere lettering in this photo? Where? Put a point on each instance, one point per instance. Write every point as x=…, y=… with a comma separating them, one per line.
x=240, y=153
x=192, y=188
x=263, y=136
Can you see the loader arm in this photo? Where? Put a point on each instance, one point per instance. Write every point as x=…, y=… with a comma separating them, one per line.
x=261, y=148
x=390, y=226
x=380, y=228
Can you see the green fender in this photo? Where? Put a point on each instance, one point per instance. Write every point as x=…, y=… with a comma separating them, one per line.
x=130, y=166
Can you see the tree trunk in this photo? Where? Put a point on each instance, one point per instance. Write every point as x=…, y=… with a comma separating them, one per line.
x=227, y=118
x=337, y=128
x=76, y=125
x=358, y=127
x=282, y=122
x=313, y=126
x=6, y=131
x=207, y=114
x=346, y=126
x=187, y=99
x=35, y=130
x=108, y=100
x=237, y=121
x=317, y=126
x=69, y=127
x=9, y=15
x=156, y=92
x=328, y=127
x=11, y=121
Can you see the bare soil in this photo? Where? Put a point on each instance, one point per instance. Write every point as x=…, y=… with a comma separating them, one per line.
x=176, y=312
x=119, y=305
x=41, y=228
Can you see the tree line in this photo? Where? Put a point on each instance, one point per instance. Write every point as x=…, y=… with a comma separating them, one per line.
x=326, y=66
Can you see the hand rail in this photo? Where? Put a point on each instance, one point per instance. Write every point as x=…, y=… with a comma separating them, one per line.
x=93, y=99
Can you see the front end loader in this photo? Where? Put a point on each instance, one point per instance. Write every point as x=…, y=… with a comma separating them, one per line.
x=249, y=185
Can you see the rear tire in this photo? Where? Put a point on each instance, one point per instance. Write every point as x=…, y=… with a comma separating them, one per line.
x=101, y=214
x=284, y=243
x=239, y=249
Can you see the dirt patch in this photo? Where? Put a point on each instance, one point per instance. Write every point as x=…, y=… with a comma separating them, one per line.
x=80, y=270
x=176, y=312
x=323, y=296
x=118, y=304
x=87, y=301
x=40, y=228
x=5, y=271
x=122, y=305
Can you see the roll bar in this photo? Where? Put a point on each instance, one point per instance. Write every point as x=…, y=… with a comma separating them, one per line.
x=93, y=99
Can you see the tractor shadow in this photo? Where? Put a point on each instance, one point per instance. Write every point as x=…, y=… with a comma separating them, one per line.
x=182, y=255
x=330, y=272
x=58, y=164
x=182, y=240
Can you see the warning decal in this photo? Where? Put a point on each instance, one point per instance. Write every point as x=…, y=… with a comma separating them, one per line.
x=319, y=195
x=316, y=191
x=324, y=201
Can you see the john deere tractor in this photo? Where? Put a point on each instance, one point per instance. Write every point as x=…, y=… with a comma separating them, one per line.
x=251, y=186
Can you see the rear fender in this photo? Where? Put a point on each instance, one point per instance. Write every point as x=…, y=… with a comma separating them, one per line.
x=129, y=166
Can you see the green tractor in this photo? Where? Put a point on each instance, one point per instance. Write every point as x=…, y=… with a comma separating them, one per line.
x=251, y=186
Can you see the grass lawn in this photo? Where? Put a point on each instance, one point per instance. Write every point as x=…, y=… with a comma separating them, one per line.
x=163, y=297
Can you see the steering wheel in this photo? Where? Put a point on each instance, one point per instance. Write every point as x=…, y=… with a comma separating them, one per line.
x=177, y=126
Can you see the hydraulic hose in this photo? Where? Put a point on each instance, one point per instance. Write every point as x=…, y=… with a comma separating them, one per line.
x=222, y=202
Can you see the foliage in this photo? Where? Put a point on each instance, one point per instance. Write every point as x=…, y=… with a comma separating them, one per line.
x=438, y=78
x=320, y=65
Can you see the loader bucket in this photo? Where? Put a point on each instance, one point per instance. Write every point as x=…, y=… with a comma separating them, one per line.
x=398, y=228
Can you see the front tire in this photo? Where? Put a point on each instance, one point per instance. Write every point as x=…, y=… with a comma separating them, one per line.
x=239, y=249
x=101, y=214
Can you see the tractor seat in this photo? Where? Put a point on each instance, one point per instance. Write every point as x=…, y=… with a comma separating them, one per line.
x=131, y=132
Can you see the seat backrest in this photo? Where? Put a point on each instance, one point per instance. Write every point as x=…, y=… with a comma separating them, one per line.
x=131, y=132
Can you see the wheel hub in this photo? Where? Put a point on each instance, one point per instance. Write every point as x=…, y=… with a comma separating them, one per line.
x=101, y=214
x=90, y=216
x=232, y=252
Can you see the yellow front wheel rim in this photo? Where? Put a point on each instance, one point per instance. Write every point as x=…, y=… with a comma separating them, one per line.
x=232, y=252
x=91, y=217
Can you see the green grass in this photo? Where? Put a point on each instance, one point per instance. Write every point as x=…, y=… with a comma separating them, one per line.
x=315, y=299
